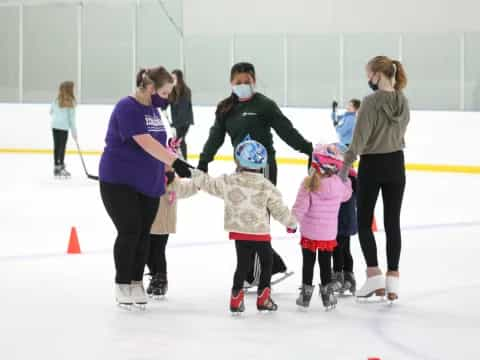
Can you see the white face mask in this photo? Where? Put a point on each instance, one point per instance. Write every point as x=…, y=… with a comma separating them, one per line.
x=243, y=91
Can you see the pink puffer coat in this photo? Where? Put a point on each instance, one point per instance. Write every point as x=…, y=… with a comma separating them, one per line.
x=317, y=212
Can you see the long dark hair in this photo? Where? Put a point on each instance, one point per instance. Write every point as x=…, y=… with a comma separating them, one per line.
x=181, y=89
x=226, y=105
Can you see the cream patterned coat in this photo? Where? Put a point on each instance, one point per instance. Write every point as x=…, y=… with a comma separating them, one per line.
x=166, y=220
x=249, y=198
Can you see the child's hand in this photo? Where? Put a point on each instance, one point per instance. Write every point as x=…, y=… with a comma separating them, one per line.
x=291, y=230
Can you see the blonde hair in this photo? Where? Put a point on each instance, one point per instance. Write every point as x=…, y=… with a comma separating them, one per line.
x=312, y=182
x=392, y=69
x=66, y=97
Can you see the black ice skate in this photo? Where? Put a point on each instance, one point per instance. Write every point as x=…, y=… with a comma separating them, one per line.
x=158, y=286
x=349, y=284
x=305, y=296
x=328, y=297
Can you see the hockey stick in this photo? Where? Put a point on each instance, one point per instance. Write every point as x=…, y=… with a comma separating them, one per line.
x=92, y=177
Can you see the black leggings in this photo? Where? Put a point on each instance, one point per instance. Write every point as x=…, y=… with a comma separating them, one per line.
x=342, y=256
x=60, y=138
x=181, y=132
x=324, y=260
x=386, y=173
x=157, y=261
x=132, y=214
x=245, y=249
x=278, y=265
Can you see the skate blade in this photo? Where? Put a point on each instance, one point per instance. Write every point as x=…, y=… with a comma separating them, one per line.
x=330, y=307
x=125, y=306
x=140, y=306
x=236, y=314
x=159, y=297
x=370, y=300
x=267, y=311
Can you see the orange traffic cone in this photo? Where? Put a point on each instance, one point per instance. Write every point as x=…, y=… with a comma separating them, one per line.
x=73, y=244
x=374, y=225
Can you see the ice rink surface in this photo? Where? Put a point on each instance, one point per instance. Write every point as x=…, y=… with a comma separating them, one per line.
x=58, y=306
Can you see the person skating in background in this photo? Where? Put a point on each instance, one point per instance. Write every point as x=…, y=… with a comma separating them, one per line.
x=345, y=124
x=181, y=109
x=165, y=223
x=246, y=111
x=62, y=112
x=316, y=208
x=249, y=199
x=342, y=275
x=379, y=139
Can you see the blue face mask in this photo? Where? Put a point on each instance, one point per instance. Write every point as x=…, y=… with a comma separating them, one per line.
x=159, y=102
x=243, y=91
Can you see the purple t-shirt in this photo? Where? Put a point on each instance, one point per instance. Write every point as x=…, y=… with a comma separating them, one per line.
x=123, y=160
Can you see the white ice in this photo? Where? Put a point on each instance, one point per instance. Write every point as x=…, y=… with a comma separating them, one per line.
x=58, y=306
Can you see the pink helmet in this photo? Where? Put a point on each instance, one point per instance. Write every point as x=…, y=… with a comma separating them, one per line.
x=328, y=159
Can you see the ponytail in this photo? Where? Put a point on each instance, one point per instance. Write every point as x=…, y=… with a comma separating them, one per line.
x=400, y=75
x=158, y=76
x=392, y=69
x=312, y=182
x=226, y=105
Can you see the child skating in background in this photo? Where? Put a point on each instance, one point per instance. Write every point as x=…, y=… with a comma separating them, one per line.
x=63, y=120
x=343, y=276
x=165, y=223
x=345, y=124
x=316, y=208
x=250, y=199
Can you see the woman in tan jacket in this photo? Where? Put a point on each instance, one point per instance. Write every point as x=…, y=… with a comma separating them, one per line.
x=379, y=140
x=165, y=223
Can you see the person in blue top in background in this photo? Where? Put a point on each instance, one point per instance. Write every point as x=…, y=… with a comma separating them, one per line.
x=63, y=120
x=345, y=124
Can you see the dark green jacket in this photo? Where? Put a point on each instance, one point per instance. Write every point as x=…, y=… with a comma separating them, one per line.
x=256, y=117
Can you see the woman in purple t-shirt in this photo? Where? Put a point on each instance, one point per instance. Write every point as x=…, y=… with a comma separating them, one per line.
x=132, y=177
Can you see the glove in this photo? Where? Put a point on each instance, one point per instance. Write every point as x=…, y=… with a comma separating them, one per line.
x=291, y=230
x=309, y=163
x=343, y=173
x=334, y=105
x=170, y=175
x=182, y=168
x=203, y=166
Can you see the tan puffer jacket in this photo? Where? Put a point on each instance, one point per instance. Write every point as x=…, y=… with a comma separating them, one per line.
x=249, y=199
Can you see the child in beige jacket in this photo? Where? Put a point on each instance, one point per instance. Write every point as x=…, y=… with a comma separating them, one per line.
x=250, y=199
x=165, y=223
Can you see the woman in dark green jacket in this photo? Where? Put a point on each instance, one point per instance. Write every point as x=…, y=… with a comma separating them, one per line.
x=246, y=112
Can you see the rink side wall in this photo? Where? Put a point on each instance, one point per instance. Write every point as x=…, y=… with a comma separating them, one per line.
x=436, y=141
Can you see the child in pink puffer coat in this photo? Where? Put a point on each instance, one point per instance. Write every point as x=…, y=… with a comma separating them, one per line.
x=316, y=209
